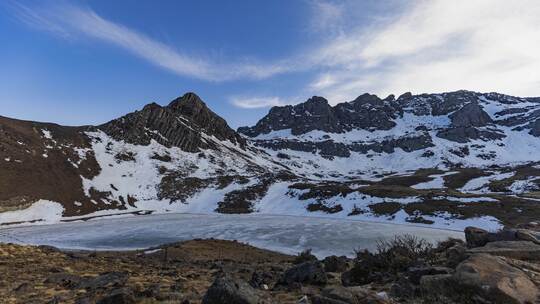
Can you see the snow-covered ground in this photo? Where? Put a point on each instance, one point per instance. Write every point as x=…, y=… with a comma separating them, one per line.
x=289, y=234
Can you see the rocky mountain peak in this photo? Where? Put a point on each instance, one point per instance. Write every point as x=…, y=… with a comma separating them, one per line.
x=367, y=98
x=184, y=123
x=317, y=101
x=189, y=102
x=366, y=111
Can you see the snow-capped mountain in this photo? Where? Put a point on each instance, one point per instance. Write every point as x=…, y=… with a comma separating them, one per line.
x=447, y=160
x=430, y=130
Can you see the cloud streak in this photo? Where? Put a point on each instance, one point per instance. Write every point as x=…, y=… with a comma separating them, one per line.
x=68, y=21
x=256, y=102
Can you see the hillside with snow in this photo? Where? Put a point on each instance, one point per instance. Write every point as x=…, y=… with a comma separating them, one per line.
x=446, y=160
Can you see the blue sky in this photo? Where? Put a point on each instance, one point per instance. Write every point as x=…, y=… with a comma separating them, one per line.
x=86, y=62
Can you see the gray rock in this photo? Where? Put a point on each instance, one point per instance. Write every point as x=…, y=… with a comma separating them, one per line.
x=535, y=128
x=490, y=277
x=465, y=134
x=470, y=115
x=227, y=290
x=336, y=264
x=416, y=273
x=308, y=273
x=476, y=237
x=348, y=295
x=109, y=279
x=528, y=235
x=455, y=255
x=523, y=250
x=365, y=112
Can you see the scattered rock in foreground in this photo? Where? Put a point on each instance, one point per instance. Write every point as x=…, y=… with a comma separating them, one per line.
x=307, y=272
x=495, y=280
x=227, y=290
x=348, y=295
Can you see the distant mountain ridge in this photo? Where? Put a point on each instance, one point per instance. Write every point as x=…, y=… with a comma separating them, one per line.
x=440, y=159
x=410, y=122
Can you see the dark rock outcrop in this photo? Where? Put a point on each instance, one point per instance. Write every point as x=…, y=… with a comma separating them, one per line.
x=183, y=123
x=336, y=263
x=465, y=134
x=535, y=128
x=470, y=115
x=365, y=112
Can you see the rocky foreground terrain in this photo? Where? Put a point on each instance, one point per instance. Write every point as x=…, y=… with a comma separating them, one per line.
x=447, y=160
x=501, y=267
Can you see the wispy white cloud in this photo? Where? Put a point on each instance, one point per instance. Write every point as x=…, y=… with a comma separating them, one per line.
x=70, y=21
x=326, y=15
x=434, y=46
x=255, y=102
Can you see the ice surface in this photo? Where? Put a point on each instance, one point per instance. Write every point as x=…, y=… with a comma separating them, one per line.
x=289, y=234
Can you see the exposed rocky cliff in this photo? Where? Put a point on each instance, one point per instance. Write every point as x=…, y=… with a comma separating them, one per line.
x=184, y=123
x=458, y=117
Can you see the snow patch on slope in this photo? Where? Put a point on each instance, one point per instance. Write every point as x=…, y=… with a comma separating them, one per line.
x=40, y=212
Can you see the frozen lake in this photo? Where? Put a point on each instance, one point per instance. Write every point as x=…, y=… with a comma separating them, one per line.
x=289, y=234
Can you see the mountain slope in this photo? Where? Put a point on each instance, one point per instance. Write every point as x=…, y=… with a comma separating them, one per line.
x=447, y=160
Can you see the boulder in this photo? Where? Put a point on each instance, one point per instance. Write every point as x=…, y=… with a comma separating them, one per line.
x=491, y=278
x=262, y=278
x=348, y=295
x=523, y=250
x=455, y=255
x=476, y=237
x=308, y=272
x=528, y=235
x=227, y=290
x=336, y=264
x=416, y=273
x=402, y=288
